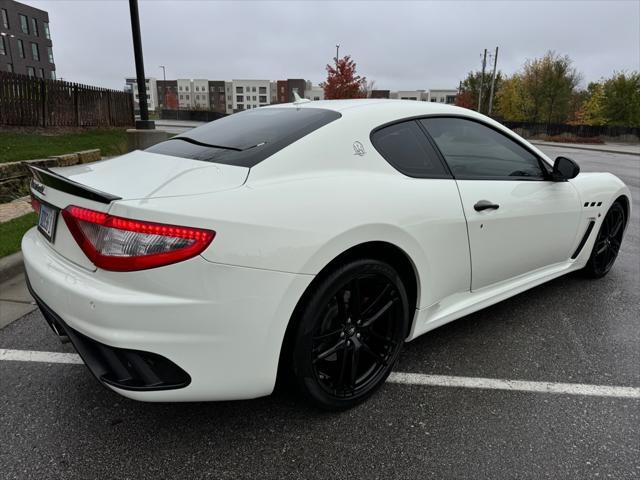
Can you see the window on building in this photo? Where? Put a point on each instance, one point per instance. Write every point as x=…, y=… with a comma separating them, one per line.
x=47, y=35
x=31, y=71
x=240, y=106
x=263, y=99
x=34, y=26
x=239, y=90
x=50, y=54
x=239, y=98
x=24, y=24
x=253, y=89
x=181, y=97
x=21, y=48
x=197, y=96
x=229, y=97
x=229, y=107
x=221, y=89
x=4, y=17
x=3, y=49
x=187, y=97
x=10, y=67
x=41, y=73
x=35, y=52
x=263, y=90
x=316, y=98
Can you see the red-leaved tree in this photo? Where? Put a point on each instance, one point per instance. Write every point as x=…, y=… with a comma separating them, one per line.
x=342, y=82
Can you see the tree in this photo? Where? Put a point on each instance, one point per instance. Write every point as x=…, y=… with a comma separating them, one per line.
x=342, y=82
x=511, y=101
x=548, y=84
x=621, y=102
x=591, y=109
x=470, y=89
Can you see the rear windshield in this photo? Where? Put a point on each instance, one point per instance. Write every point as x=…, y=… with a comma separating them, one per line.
x=245, y=139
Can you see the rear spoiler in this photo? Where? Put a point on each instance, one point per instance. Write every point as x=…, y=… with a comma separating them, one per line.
x=43, y=176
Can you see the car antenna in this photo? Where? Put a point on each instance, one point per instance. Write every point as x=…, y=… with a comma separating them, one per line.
x=297, y=100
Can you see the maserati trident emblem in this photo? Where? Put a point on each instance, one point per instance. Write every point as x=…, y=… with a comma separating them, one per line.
x=37, y=186
x=358, y=148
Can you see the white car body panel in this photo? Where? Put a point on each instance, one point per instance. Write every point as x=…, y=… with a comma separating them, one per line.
x=280, y=223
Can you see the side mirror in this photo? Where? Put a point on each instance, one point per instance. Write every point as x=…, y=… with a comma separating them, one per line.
x=564, y=169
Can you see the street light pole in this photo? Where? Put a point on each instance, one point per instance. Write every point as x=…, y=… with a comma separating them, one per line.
x=164, y=86
x=337, y=56
x=144, y=123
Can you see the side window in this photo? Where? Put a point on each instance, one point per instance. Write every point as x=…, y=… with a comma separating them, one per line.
x=475, y=151
x=406, y=147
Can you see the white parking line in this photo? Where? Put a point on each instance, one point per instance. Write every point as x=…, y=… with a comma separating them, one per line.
x=514, y=385
x=401, y=378
x=46, y=357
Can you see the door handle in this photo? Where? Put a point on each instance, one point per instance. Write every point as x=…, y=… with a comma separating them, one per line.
x=485, y=205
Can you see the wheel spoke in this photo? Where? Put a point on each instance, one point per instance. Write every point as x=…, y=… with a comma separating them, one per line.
x=355, y=299
x=343, y=367
x=378, y=299
x=601, y=246
x=387, y=341
x=377, y=357
x=371, y=320
x=615, y=245
x=330, y=351
x=616, y=227
x=328, y=334
x=355, y=359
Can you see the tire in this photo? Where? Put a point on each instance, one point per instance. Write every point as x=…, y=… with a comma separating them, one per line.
x=607, y=244
x=350, y=331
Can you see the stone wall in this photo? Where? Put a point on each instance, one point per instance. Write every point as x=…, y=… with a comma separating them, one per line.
x=15, y=176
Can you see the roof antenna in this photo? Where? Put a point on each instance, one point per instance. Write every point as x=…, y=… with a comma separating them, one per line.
x=297, y=100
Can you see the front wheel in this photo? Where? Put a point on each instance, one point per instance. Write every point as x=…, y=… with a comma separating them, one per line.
x=350, y=332
x=607, y=244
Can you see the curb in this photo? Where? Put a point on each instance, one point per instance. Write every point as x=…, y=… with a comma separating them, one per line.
x=589, y=149
x=11, y=266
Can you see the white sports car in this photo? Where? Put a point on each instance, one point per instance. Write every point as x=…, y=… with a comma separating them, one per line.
x=309, y=239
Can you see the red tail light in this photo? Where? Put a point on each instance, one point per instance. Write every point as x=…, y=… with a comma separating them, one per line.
x=35, y=204
x=121, y=244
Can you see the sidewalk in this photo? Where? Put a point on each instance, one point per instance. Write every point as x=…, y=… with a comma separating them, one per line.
x=15, y=208
x=622, y=148
x=15, y=300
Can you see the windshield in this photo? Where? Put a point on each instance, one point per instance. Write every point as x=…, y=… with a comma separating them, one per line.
x=245, y=139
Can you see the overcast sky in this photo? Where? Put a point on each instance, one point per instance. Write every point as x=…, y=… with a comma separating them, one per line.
x=400, y=45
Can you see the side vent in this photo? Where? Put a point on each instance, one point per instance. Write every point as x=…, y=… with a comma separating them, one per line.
x=584, y=240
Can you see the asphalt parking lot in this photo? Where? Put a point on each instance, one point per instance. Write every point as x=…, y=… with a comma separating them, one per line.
x=56, y=421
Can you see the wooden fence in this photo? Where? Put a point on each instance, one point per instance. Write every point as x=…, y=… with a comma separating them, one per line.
x=36, y=102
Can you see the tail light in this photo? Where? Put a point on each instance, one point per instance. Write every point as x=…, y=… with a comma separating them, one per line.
x=121, y=244
x=35, y=204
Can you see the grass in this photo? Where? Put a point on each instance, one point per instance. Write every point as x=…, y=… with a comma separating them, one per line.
x=11, y=233
x=16, y=145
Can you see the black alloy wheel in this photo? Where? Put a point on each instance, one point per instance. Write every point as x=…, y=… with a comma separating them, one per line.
x=350, y=333
x=607, y=244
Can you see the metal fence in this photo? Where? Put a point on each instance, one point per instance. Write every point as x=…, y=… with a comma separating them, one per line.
x=583, y=131
x=36, y=102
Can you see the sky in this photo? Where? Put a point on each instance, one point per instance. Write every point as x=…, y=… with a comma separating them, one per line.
x=399, y=45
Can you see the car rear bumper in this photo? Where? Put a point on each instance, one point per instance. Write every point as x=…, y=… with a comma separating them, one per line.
x=190, y=331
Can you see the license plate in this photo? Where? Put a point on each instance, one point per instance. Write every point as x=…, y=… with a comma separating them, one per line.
x=47, y=221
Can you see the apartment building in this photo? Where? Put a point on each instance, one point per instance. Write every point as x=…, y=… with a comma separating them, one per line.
x=443, y=96
x=313, y=92
x=248, y=94
x=185, y=93
x=131, y=85
x=167, y=94
x=25, y=40
x=287, y=87
x=217, y=96
x=200, y=94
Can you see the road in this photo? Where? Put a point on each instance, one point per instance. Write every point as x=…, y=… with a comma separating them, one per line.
x=57, y=422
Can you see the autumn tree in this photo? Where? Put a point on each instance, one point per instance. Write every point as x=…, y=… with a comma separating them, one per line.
x=343, y=82
x=511, y=101
x=621, y=102
x=470, y=90
x=591, y=109
x=548, y=84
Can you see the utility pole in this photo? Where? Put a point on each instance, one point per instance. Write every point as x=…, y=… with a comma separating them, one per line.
x=337, y=50
x=484, y=65
x=144, y=123
x=493, y=81
x=164, y=86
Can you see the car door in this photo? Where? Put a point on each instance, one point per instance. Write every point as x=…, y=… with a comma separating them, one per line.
x=518, y=219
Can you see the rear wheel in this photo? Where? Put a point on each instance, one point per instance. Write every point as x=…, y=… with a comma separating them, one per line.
x=350, y=333
x=607, y=244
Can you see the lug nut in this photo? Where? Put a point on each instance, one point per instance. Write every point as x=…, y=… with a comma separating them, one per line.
x=342, y=334
x=357, y=335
